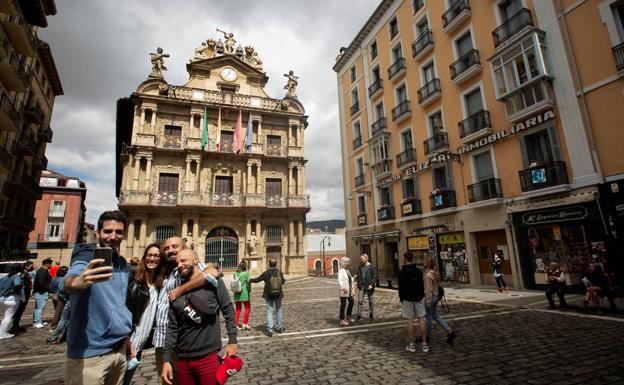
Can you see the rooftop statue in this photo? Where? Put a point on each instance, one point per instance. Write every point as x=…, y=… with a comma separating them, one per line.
x=291, y=86
x=252, y=58
x=158, y=63
x=229, y=42
x=205, y=51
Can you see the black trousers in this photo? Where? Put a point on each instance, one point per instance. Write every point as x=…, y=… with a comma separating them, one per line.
x=18, y=313
x=343, y=304
x=500, y=282
x=560, y=293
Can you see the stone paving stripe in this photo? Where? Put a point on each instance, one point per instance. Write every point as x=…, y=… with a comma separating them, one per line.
x=32, y=364
x=593, y=316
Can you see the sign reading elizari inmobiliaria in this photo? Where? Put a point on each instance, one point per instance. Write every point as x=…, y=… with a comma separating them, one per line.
x=547, y=216
x=516, y=128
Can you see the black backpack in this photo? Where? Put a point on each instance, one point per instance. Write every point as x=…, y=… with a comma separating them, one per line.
x=414, y=285
x=275, y=285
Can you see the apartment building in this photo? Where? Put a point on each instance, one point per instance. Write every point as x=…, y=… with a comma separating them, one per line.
x=29, y=84
x=470, y=128
x=216, y=161
x=59, y=218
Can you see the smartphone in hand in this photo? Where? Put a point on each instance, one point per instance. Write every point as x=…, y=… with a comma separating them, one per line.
x=105, y=253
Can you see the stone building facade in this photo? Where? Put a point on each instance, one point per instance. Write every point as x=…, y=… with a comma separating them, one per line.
x=215, y=160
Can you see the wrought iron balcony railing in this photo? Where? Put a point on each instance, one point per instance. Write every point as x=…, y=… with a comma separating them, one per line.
x=380, y=125
x=401, y=109
x=514, y=24
x=442, y=199
x=375, y=86
x=406, y=157
x=421, y=42
x=474, y=123
x=464, y=63
x=456, y=9
x=396, y=67
x=436, y=142
x=429, y=89
x=484, y=190
x=542, y=176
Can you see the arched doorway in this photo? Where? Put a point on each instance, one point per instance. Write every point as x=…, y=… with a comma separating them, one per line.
x=335, y=266
x=222, y=247
x=317, y=266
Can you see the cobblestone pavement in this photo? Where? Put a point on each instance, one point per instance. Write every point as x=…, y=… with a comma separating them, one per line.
x=497, y=343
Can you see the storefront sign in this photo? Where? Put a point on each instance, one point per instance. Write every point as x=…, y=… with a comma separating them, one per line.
x=451, y=238
x=548, y=216
x=517, y=128
x=440, y=158
x=388, y=180
x=419, y=242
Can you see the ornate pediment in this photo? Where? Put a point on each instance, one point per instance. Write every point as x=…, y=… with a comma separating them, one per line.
x=206, y=67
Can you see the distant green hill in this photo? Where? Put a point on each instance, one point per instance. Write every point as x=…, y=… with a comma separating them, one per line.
x=331, y=225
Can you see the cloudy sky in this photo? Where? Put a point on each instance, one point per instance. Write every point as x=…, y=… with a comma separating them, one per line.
x=101, y=50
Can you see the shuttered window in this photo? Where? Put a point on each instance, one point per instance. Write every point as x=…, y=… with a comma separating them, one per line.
x=224, y=184
x=273, y=187
x=175, y=131
x=168, y=182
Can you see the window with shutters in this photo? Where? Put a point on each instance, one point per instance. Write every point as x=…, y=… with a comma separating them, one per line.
x=393, y=27
x=361, y=204
x=473, y=102
x=54, y=229
x=57, y=209
x=463, y=44
x=373, y=50
x=274, y=192
x=436, y=125
x=541, y=147
x=410, y=188
x=483, y=167
x=509, y=8
x=385, y=194
x=167, y=189
x=442, y=178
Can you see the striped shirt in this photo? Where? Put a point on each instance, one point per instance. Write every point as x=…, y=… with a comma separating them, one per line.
x=162, y=313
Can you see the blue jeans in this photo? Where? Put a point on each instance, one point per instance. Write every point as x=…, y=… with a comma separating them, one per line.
x=62, y=324
x=432, y=314
x=40, y=302
x=270, y=304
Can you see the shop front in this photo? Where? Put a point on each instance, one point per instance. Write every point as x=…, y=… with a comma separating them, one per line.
x=569, y=235
x=419, y=246
x=452, y=256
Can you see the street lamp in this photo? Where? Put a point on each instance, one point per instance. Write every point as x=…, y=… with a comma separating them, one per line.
x=322, y=249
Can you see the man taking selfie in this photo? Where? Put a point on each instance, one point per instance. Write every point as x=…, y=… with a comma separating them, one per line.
x=100, y=323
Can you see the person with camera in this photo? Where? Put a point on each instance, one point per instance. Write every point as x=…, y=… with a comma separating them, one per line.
x=100, y=322
x=193, y=330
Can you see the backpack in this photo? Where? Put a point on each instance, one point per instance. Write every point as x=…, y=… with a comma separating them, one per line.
x=275, y=285
x=6, y=286
x=414, y=286
x=235, y=285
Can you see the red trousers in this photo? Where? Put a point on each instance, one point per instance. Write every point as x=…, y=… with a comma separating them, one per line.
x=198, y=371
x=239, y=304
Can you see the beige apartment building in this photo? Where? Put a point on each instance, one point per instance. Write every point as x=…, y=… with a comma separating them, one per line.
x=215, y=160
x=29, y=83
x=470, y=128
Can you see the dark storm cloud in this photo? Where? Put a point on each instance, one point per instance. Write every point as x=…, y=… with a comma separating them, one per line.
x=101, y=49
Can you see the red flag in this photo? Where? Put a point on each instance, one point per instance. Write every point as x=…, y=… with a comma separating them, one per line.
x=238, y=134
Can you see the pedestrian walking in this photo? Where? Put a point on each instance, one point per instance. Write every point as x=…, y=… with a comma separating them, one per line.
x=366, y=281
x=142, y=301
x=41, y=288
x=193, y=330
x=345, y=288
x=273, y=295
x=241, y=287
x=27, y=268
x=555, y=279
x=173, y=287
x=11, y=294
x=58, y=298
x=432, y=297
x=412, y=297
x=497, y=270
x=100, y=321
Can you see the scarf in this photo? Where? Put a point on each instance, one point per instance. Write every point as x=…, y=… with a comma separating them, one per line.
x=140, y=334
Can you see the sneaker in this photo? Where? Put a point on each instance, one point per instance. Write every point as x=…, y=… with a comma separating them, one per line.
x=344, y=323
x=246, y=327
x=411, y=347
x=238, y=327
x=269, y=333
x=38, y=325
x=6, y=335
x=424, y=348
x=280, y=329
x=451, y=337
x=349, y=320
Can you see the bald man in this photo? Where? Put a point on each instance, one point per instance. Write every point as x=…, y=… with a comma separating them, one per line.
x=175, y=284
x=193, y=330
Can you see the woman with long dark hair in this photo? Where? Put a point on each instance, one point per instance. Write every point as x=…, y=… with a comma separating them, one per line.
x=142, y=301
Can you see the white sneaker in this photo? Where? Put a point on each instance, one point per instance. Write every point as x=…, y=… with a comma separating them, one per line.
x=6, y=335
x=424, y=348
x=38, y=325
x=411, y=347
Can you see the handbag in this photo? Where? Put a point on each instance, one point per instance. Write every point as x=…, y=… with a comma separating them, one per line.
x=440, y=292
x=235, y=285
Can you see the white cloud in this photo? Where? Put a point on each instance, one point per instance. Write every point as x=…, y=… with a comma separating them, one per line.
x=101, y=51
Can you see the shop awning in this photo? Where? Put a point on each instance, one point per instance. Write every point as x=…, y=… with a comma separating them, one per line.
x=573, y=197
x=386, y=234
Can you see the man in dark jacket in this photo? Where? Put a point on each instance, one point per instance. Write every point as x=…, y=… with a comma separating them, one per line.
x=41, y=288
x=28, y=284
x=193, y=330
x=365, y=282
x=412, y=297
x=273, y=295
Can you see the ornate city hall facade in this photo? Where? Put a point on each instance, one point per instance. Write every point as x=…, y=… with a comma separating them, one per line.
x=216, y=161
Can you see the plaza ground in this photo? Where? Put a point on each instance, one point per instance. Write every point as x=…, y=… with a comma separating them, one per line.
x=502, y=339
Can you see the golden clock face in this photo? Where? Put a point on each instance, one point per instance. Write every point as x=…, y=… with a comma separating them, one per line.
x=228, y=74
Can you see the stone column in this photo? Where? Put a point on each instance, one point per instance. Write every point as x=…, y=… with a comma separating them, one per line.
x=128, y=168
x=130, y=239
x=201, y=122
x=192, y=124
x=300, y=237
x=148, y=174
x=142, y=118
x=153, y=122
x=299, y=180
x=259, y=131
x=290, y=180
x=302, y=176
x=142, y=233
x=196, y=185
x=137, y=170
x=196, y=231
x=184, y=227
x=187, y=179
x=291, y=237
x=260, y=237
x=248, y=188
x=259, y=179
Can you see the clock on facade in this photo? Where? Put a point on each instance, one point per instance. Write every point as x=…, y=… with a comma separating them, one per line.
x=228, y=74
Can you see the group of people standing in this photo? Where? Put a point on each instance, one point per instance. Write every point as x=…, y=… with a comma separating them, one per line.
x=419, y=295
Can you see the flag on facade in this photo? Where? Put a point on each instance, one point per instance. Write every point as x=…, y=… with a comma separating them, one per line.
x=238, y=134
x=248, y=135
x=205, y=130
x=219, y=130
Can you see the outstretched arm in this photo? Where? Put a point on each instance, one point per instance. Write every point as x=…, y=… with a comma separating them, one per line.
x=210, y=275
